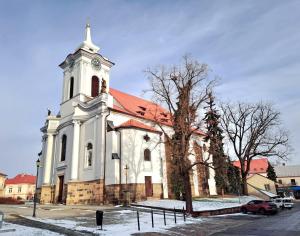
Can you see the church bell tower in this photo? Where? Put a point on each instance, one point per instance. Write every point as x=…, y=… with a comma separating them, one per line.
x=86, y=72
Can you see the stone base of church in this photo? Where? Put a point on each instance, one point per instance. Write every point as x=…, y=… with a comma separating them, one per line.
x=137, y=192
x=91, y=193
x=88, y=192
x=46, y=194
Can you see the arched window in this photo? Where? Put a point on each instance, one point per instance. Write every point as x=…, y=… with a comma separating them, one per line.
x=71, y=88
x=89, y=154
x=63, y=148
x=95, y=86
x=147, y=155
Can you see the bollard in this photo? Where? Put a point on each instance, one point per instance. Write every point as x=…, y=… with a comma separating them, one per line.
x=1, y=218
x=152, y=218
x=165, y=217
x=99, y=218
x=174, y=215
x=138, y=219
x=183, y=211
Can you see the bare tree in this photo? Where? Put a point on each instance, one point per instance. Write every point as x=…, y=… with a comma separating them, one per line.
x=182, y=90
x=253, y=130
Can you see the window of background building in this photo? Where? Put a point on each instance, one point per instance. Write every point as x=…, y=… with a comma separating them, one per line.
x=267, y=187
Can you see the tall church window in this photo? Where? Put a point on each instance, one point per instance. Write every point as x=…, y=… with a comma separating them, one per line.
x=95, y=86
x=147, y=155
x=71, y=92
x=89, y=154
x=63, y=148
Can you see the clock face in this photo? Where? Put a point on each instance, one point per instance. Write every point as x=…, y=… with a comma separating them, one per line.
x=96, y=63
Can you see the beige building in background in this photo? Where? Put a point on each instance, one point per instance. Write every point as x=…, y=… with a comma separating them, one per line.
x=2, y=183
x=21, y=187
x=260, y=186
x=288, y=175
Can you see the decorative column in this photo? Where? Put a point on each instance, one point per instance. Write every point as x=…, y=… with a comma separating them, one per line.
x=75, y=152
x=48, y=159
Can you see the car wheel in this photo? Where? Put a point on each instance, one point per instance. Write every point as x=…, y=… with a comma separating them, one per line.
x=262, y=211
x=244, y=210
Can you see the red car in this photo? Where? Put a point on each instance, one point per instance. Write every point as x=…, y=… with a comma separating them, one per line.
x=259, y=206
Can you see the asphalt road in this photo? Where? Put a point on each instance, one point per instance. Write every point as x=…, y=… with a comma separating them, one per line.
x=285, y=223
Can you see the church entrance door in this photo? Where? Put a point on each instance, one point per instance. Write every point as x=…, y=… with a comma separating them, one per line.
x=148, y=186
x=60, y=189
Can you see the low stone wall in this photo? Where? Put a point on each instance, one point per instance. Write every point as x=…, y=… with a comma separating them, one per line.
x=88, y=192
x=224, y=211
x=217, y=212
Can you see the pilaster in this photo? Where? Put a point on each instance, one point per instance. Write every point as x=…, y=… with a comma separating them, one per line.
x=75, y=151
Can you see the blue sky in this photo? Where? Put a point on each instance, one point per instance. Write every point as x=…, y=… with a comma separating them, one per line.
x=253, y=46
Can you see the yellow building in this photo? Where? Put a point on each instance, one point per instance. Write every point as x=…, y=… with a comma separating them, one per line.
x=260, y=186
x=20, y=187
x=2, y=183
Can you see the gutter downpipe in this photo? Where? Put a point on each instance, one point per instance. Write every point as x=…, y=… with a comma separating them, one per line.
x=104, y=164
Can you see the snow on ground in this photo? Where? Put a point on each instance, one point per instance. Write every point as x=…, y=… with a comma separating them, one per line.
x=18, y=230
x=201, y=204
x=126, y=225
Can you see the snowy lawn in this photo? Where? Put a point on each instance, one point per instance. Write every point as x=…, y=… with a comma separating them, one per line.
x=121, y=222
x=201, y=204
x=18, y=230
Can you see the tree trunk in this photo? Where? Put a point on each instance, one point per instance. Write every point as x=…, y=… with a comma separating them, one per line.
x=188, y=193
x=244, y=183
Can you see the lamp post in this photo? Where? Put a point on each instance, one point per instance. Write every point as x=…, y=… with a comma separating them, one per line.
x=38, y=162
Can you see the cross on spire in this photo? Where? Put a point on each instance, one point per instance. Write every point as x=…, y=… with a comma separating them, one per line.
x=87, y=44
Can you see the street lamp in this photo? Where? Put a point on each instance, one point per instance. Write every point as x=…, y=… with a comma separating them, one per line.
x=38, y=162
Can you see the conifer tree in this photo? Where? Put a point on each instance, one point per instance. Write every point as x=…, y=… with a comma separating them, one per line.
x=271, y=172
x=214, y=136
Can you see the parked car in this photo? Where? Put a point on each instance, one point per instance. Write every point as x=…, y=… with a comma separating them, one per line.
x=283, y=203
x=259, y=206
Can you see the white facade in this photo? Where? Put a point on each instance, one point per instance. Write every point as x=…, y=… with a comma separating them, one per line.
x=80, y=132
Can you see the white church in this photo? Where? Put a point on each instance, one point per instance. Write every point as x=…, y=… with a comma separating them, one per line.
x=104, y=142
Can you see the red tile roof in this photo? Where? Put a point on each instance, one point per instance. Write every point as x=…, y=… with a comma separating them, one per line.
x=136, y=124
x=21, y=179
x=256, y=165
x=142, y=108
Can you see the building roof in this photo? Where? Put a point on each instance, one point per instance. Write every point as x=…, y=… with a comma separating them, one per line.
x=287, y=171
x=2, y=174
x=136, y=124
x=21, y=179
x=256, y=165
x=142, y=108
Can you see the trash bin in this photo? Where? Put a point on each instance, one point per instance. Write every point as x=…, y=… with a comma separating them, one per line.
x=1, y=218
x=99, y=218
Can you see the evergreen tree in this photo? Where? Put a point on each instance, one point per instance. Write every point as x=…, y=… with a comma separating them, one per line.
x=271, y=172
x=214, y=136
x=234, y=178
